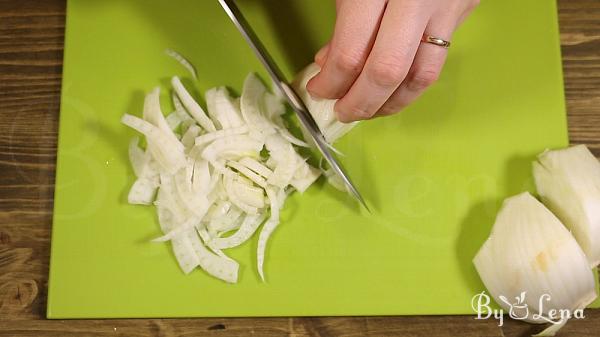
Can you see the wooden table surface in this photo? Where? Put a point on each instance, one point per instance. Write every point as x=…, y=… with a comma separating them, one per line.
x=31, y=47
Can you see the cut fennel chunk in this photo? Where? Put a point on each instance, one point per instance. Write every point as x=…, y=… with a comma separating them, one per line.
x=530, y=254
x=211, y=186
x=568, y=181
x=322, y=110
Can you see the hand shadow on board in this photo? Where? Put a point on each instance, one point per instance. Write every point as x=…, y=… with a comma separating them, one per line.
x=478, y=222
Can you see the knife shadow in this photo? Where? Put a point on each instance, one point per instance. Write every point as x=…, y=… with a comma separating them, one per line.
x=291, y=31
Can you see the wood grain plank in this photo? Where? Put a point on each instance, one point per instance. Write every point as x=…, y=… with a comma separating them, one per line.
x=31, y=44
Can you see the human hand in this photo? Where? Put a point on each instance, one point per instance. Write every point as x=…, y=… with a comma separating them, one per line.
x=375, y=63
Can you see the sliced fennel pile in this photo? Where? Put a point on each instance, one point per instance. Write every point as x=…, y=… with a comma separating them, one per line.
x=216, y=176
x=532, y=257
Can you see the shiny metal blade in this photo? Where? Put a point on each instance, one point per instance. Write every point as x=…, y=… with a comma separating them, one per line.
x=298, y=106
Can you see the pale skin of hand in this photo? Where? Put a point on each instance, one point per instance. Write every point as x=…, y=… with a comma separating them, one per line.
x=375, y=63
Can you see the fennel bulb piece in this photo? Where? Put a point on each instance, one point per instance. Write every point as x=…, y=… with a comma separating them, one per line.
x=568, y=182
x=323, y=112
x=530, y=254
x=321, y=109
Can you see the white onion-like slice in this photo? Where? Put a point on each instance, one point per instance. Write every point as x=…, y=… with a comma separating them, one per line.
x=212, y=136
x=141, y=161
x=180, y=111
x=256, y=178
x=267, y=230
x=232, y=147
x=154, y=115
x=201, y=177
x=184, y=252
x=257, y=167
x=189, y=137
x=192, y=106
x=247, y=228
x=183, y=61
x=220, y=267
x=167, y=152
x=222, y=109
x=173, y=120
x=250, y=102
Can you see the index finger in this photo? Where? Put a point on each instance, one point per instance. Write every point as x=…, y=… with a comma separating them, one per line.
x=355, y=30
x=399, y=37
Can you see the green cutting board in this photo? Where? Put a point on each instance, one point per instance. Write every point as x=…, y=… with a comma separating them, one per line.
x=435, y=174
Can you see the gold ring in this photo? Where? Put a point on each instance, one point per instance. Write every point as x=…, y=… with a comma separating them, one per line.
x=436, y=41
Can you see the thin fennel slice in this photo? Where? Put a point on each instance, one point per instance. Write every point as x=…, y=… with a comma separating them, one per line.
x=267, y=230
x=222, y=109
x=180, y=111
x=212, y=136
x=191, y=105
x=257, y=167
x=189, y=137
x=220, y=267
x=251, y=102
x=184, y=252
x=173, y=120
x=256, y=178
x=154, y=115
x=183, y=61
x=201, y=177
x=167, y=152
x=232, y=147
x=141, y=161
x=246, y=230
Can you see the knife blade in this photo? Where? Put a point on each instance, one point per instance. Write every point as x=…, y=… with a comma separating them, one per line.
x=291, y=96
